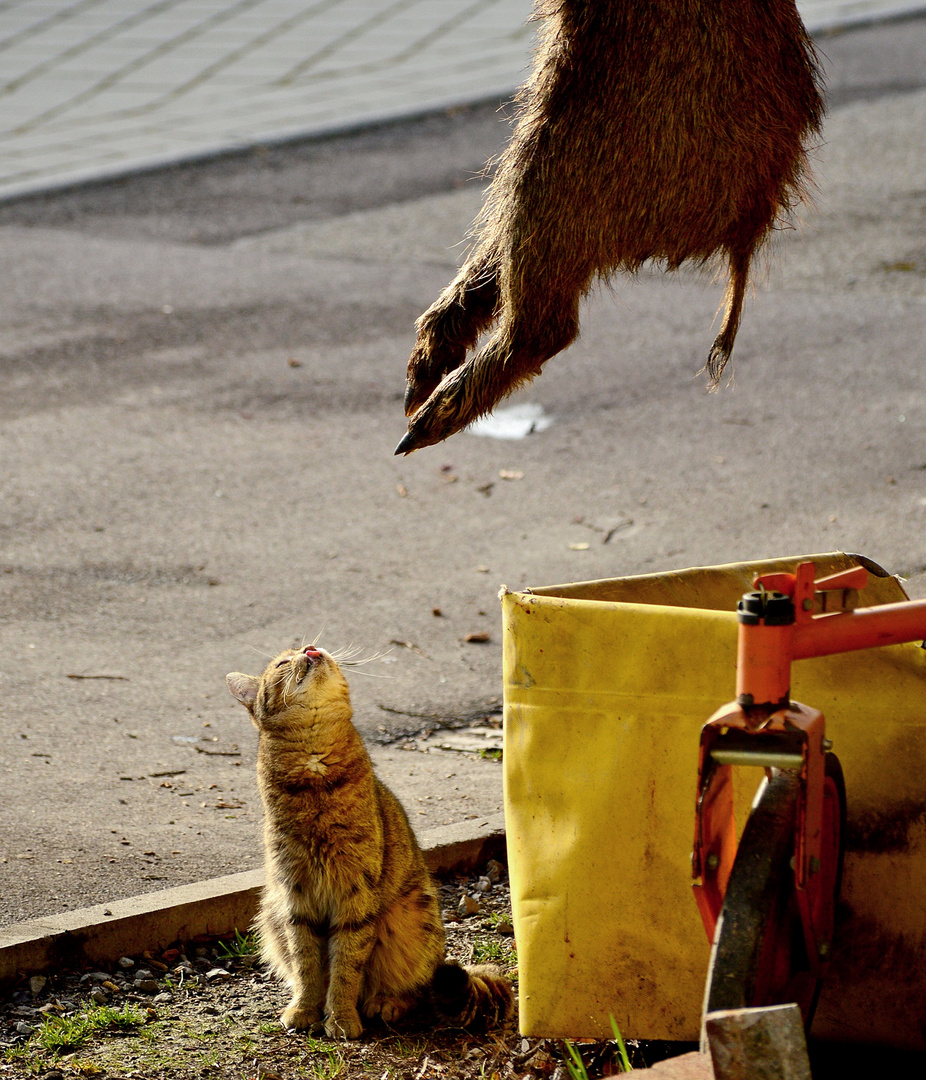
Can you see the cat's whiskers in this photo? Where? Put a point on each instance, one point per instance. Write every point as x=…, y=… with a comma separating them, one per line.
x=347, y=653
x=260, y=652
x=374, y=674
x=351, y=659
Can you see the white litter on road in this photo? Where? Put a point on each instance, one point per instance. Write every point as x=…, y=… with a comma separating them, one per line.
x=515, y=422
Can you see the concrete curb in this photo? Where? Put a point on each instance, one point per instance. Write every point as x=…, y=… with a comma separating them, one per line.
x=99, y=176
x=101, y=934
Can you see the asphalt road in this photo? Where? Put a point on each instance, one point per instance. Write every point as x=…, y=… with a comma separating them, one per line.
x=202, y=374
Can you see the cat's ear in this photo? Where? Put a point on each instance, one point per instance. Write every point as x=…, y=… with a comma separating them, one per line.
x=243, y=687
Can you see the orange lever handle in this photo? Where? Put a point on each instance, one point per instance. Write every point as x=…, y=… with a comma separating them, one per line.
x=856, y=577
x=783, y=583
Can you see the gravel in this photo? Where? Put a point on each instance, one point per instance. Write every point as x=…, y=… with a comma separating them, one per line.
x=204, y=1014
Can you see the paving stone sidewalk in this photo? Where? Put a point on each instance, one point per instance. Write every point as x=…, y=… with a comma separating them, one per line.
x=97, y=88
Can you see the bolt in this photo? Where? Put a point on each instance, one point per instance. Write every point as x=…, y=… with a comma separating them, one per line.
x=823, y=950
x=713, y=861
x=814, y=865
x=807, y=604
x=827, y=744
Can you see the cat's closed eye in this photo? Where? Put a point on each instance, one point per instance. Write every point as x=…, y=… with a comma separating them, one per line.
x=283, y=663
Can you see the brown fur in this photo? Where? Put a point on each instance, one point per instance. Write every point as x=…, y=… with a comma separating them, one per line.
x=349, y=916
x=670, y=130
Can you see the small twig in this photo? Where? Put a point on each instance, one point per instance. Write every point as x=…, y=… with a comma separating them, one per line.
x=617, y=528
x=113, y=678
x=411, y=646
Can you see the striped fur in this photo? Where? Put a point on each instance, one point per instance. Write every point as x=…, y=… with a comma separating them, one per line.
x=477, y=998
x=349, y=917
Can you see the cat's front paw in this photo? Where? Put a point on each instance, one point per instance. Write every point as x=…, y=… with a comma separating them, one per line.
x=300, y=1018
x=345, y=1026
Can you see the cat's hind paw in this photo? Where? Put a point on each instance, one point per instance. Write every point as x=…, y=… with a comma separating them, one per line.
x=389, y=1008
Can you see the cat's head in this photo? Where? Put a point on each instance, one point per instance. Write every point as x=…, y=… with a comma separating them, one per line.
x=296, y=680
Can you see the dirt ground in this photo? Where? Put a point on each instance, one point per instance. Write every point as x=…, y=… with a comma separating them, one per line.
x=221, y=1021
x=211, y=1012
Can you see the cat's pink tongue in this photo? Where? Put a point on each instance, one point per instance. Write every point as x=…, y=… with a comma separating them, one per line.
x=311, y=652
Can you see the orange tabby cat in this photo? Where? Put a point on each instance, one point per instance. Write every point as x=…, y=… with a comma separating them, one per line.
x=349, y=915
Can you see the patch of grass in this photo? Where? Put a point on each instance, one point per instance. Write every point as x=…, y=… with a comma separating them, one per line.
x=124, y=1019
x=88, y=1069
x=497, y=918
x=25, y=1059
x=59, y=1035
x=241, y=945
x=494, y=950
x=329, y=1065
x=63, y=1034
x=207, y=1061
x=197, y=1034
x=576, y=1066
x=406, y=1046
x=323, y=1060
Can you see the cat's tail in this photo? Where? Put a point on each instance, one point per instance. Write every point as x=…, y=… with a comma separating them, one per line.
x=477, y=998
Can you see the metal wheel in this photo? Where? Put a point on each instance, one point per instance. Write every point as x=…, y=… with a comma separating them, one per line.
x=759, y=956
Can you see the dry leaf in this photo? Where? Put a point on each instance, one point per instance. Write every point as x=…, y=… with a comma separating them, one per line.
x=510, y=474
x=479, y=637
x=583, y=546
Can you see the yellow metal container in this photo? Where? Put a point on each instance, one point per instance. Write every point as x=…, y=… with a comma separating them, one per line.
x=607, y=684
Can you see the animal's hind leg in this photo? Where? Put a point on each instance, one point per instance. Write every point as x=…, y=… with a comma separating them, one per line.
x=736, y=293
x=513, y=356
x=450, y=328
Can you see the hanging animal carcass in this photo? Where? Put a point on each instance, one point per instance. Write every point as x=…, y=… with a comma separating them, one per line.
x=671, y=130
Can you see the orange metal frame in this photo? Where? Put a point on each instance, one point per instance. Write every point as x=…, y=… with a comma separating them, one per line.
x=764, y=727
